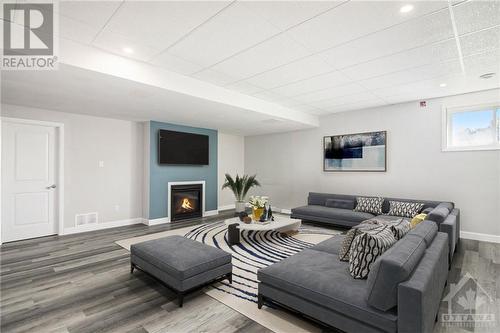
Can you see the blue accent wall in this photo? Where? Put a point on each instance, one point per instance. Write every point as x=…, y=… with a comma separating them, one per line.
x=160, y=175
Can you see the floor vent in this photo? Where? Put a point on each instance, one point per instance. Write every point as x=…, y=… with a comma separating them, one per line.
x=89, y=218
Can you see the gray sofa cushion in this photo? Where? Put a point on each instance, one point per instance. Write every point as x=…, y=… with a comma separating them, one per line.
x=391, y=268
x=340, y=203
x=322, y=279
x=180, y=257
x=332, y=213
x=426, y=230
x=439, y=213
x=331, y=245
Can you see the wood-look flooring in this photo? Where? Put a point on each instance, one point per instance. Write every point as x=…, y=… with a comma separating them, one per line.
x=82, y=283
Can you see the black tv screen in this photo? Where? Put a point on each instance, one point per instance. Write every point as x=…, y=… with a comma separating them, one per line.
x=182, y=148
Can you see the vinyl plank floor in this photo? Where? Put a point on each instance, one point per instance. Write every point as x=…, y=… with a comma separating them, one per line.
x=81, y=283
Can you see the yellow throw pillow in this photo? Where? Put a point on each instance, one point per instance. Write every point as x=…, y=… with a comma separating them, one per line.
x=417, y=219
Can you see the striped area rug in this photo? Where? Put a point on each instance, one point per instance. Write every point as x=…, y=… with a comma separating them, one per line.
x=257, y=250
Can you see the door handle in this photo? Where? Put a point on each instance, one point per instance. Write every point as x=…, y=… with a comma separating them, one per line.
x=51, y=186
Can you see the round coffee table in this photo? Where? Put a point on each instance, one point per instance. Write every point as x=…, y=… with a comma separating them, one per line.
x=281, y=223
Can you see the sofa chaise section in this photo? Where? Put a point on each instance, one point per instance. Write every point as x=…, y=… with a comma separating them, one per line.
x=402, y=292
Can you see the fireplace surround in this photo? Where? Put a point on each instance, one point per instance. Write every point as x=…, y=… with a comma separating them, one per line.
x=186, y=201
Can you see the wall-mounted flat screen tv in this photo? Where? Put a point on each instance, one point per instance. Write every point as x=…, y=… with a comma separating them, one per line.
x=182, y=148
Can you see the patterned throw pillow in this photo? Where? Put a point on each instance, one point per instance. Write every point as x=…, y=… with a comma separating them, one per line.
x=369, y=205
x=400, y=228
x=367, y=247
x=405, y=209
x=345, y=247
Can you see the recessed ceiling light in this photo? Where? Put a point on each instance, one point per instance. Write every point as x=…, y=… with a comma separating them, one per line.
x=406, y=8
x=128, y=50
x=442, y=85
x=487, y=75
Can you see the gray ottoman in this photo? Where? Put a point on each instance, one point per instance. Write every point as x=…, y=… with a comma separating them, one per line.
x=181, y=263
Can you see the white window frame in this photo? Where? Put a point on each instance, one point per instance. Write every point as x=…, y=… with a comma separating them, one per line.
x=448, y=111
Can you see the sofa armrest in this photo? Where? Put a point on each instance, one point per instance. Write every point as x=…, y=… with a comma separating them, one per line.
x=419, y=297
x=450, y=227
x=456, y=212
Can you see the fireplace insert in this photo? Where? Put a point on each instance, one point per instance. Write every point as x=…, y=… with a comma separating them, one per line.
x=186, y=202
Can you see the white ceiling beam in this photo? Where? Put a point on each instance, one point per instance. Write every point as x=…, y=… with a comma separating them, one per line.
x=93, y=59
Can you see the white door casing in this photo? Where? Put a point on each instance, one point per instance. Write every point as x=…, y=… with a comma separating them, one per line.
x=30, y=193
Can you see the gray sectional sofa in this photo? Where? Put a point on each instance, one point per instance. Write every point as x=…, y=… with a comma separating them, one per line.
x=337, y=209
x=402, y=292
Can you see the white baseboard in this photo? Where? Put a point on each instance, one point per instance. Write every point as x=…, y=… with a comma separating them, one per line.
x=225, y=207
x=211, y=213
x=480, y=237
x=161, y=220
x=101, y=225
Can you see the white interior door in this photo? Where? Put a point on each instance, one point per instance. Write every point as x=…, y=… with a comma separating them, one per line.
x=29, y=178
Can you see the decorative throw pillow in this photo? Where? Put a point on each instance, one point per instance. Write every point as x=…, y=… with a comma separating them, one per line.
x=345, y=247
x=367, y=247
x=369, y=205
x=400, y=228
x=417, y=219
x=405, y=209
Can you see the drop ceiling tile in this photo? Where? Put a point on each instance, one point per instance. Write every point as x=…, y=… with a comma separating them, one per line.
x=404, y=60
x=175, y=64
x=420, y=73
x=232, y=30
x=114, y=43
x=329, y=93
x=161, y=23
x=410, y=34
x=292, y=72
x=76, y=30
x=357, y=106
x=213, y=76
x=342, y=24
x=244, y=87
x=270, y=96
x=365, y=96
x=284, y=14
x=308, y=109
x=94, y=14
x=332, y=79
x=475, y=15
x=480, y=41
x=274, y=52
x=488, y=62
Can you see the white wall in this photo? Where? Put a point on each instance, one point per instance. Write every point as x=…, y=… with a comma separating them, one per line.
x=290, y=164
x=231, y=159
x=114, y=191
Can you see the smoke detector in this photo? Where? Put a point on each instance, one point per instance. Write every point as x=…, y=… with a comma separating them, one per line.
x=487, y=75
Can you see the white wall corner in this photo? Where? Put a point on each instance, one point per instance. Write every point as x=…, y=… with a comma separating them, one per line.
x=146, y=167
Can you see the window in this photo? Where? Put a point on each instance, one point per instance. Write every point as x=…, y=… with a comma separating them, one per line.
x=472, y=128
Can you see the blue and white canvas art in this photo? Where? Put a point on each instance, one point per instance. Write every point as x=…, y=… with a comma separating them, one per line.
x=355, y=152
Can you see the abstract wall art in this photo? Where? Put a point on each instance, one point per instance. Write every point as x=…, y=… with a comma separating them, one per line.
x=355, y=152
